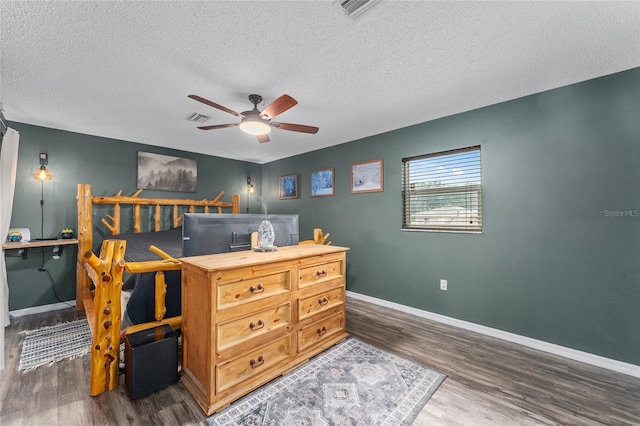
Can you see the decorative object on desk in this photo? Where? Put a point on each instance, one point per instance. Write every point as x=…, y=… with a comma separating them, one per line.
x=66, y=233
x=351, y=383
x=367, y=176
x=318, y=238
x=14, y=237
x=51, y=344
x=266, y=237
x=25, y=234
x=289, y=187
x=322, y=184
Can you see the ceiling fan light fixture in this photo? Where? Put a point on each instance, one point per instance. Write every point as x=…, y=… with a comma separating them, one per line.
x=256, y=122
x=254, y=125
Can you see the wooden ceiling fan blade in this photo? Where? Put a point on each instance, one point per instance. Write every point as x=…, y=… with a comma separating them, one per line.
x=296, y=127
x=278, y=106
x=263, y=138
x=218, y=126
x=215, y=105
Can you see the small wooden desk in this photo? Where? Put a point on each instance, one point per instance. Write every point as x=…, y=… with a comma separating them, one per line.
x=39, y=243
x=24, y=245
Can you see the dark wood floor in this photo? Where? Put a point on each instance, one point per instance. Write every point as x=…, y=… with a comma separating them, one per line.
x=490, y=382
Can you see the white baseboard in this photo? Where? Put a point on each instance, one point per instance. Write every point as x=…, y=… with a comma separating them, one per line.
x=587, y=358
x=43, y=308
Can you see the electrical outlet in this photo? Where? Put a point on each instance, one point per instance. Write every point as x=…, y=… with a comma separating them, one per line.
x=443, y=285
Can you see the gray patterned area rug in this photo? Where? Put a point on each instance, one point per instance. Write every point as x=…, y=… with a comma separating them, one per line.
x=47, y=345
x=352, y=383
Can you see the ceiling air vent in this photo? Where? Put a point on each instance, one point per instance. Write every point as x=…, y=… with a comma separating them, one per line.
x=354, y=8
x=198, y=118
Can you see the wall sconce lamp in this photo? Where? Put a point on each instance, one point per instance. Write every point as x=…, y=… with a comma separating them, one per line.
x=250, y=188
x=42, y=173
x=253, y=123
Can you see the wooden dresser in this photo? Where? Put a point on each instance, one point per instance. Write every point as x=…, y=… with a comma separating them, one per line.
x=248, y=317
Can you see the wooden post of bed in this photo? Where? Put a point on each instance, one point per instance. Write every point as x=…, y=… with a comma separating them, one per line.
x=102, y=304
x=105, y=324
x=85, y=241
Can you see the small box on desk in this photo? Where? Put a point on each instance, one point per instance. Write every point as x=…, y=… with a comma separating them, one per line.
x=151, y=360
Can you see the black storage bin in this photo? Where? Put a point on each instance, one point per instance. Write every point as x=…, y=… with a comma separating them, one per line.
x=151, y=360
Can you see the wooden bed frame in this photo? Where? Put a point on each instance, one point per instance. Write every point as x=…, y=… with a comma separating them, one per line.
x=102, y=304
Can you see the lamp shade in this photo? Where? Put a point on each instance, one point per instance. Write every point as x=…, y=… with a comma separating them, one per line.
x=254, y=124
x=42, y=173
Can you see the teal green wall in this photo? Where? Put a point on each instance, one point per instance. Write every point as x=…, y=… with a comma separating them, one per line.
x=551, y=263
x=108, y=165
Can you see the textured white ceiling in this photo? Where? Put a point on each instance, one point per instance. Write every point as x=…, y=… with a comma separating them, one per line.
x=123, y=70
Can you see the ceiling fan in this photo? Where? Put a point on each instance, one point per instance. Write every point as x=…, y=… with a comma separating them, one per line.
x=256, y=122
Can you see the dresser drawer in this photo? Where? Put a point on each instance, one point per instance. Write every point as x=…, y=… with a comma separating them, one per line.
x=232, y=293
x=252, y=365
x=320, y=272
x=316, y=332
x=249, y=327
x=320, y=302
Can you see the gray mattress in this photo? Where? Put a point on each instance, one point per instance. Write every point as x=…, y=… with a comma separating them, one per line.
x=141, y=305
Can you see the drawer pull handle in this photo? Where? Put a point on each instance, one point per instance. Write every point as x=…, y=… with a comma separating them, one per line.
x=321, y=274
x=253, y=326
x=258, y=363
x=323, y=301
x=322, y=331
x=256, y=290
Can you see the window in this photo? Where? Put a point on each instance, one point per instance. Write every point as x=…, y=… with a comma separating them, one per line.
x=443, y=191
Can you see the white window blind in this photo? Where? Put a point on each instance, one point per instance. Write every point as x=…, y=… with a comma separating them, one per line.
x=443, y=191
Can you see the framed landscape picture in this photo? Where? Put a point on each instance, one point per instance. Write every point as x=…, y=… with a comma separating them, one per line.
x=289, y=186
x=166, y=173
x=367, y=176
x=322, y=184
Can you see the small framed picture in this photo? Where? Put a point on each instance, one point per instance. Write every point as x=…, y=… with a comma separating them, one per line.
x=367, y=176
x=289, y=186
x=322, y=184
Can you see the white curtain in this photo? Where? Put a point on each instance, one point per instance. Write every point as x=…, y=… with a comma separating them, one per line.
x=8, y=168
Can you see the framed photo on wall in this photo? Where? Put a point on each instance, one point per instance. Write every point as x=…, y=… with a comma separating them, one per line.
x=322, y=184
x=289, y=186
x=166, y=173
x=367, y=176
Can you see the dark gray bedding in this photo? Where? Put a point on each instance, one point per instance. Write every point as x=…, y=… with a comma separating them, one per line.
x=141, y=305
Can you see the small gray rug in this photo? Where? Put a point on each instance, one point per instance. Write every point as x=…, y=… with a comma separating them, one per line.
x=47, y=345
x=352, y=383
